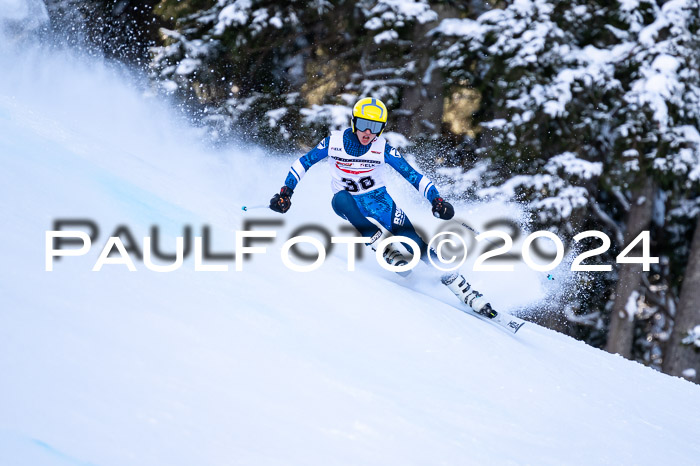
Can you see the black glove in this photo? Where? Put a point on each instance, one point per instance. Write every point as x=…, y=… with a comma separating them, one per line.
x=443, y=209
x=283, y=201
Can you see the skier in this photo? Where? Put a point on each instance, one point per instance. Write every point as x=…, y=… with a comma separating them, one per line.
x=357, y=158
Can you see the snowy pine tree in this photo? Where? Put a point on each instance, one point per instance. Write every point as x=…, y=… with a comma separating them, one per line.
x=583, y=102
x=293, y=68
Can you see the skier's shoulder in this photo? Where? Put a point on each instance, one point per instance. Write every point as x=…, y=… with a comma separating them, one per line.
x=316, y=154
x=323, y=145
x=390, y=151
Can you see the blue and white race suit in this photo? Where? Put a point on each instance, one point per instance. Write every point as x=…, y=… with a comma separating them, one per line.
x=357, y=180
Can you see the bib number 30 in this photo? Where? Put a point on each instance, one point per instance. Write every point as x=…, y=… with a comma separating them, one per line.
x=364, y=183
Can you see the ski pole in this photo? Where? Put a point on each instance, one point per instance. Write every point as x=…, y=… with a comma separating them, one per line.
x=254, y=207
x=476, y=232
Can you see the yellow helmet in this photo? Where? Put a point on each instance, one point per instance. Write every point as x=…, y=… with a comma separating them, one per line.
x=369, y=113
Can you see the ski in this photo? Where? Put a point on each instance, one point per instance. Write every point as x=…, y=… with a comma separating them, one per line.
x=502, y=319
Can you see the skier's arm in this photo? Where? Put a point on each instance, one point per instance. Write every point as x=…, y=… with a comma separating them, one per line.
x=441, y=208
x=306, y=161
x=283, y=201
x=418, y=180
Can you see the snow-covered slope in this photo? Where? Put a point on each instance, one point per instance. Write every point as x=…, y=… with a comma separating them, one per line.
x=264, y=366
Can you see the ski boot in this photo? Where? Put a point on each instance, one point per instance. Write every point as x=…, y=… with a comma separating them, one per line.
x=464, y=292
x=391, y=253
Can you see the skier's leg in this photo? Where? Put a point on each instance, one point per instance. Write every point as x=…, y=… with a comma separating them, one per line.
x=402, y=226
x=345, y=206
x=379, y=205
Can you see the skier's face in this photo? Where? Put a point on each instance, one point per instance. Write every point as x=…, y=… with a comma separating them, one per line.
x=365, y=137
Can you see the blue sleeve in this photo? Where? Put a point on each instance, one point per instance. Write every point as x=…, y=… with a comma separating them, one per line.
x=424, y=186
x=306, y=161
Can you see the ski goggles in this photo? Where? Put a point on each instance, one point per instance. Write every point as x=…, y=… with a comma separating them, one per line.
x=375, y=127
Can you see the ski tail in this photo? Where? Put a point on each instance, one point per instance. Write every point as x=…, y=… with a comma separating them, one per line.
x=509, y=322
x=502, y=319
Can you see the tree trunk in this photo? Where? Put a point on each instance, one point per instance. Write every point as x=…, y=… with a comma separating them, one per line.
x=681, y=359
x=621, y=333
